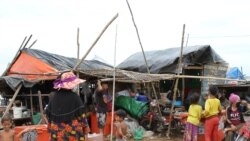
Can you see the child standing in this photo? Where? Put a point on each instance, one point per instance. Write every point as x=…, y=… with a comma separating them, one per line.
x=211, y=114
x=120, y=126
x=193, y=120
x=7, y=134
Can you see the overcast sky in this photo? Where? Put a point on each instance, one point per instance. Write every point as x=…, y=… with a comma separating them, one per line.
x=222, y=24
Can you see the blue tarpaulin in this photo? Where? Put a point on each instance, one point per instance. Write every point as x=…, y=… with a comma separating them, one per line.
x=235, y=73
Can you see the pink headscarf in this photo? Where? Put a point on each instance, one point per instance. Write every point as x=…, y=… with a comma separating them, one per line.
x=234, y=98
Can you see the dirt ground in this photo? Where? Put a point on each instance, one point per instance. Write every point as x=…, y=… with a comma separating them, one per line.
x=162, y=139
x=156, y=138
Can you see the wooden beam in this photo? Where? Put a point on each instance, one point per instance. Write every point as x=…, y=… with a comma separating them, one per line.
x=12, y=100
x=193, y=68
x=207, y=77
x=27, y=95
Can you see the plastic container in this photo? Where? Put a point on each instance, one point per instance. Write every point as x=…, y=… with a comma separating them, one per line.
x=42, y=132
x=178, y=103
x=142, y=98
x=17, y=112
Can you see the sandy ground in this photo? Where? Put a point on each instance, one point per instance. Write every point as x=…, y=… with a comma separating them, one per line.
x=156, y=138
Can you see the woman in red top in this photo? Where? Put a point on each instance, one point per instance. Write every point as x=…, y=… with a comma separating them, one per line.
x=235, y=118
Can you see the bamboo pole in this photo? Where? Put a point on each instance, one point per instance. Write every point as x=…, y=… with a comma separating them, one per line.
x=97, y=39
x=183, y=90
x=187, y=40
x=78, y=54
x=41, y=108
x=207, y=77
x=166, y=77
x=177, y=81
x=31, y=103
x=12, y=100
x=32, y=44
x=23, y=42
x=144, y=56
x=27, y=41
x=40, y=102
x=15, y=57
x=113, y=96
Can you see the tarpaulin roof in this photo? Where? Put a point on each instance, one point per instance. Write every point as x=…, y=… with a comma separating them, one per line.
x=165, y=61
x=14, y=81
x=34, y=64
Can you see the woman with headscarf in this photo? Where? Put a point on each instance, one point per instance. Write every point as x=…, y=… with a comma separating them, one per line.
x=234, y=117
x=65, y=111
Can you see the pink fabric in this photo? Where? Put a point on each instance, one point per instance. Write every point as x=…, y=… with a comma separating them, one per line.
x=234, y=98
x=68, y=80
x=245, y=130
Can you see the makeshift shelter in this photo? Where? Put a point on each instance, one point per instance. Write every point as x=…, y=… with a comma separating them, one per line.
x=200, y=60
x=165, y=61
x=242, y=89
x=33, y=64
x=32, y=72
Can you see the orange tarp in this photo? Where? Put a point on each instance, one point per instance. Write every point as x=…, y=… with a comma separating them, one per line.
x=31, y=68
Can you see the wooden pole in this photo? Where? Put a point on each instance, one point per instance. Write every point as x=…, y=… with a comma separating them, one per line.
x=22, y=43
x=97, y=39
x=41, y=108
x=40, y=102
x=183, y=90
x=31, y=103
x=183, y=79
x=144, y=56
x=177, y=81
x=78, y=54
x=27, y=41
x=15, y=57
x=12, y=100
x=32, y=44
x=187, y=40
x=113, y=96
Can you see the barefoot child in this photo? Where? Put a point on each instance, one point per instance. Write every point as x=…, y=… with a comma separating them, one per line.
x=7, y=134
x=193, y=120
x=120, y=125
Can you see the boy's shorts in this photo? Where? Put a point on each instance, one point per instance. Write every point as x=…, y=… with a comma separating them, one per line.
x=101, y=117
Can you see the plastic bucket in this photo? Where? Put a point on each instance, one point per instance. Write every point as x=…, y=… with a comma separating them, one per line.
x=17, y=112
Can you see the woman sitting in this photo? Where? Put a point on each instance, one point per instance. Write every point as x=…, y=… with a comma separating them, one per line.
x=234, y=117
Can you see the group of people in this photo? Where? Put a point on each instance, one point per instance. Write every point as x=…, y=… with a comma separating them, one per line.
x=213, y=110
x=67, y=119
